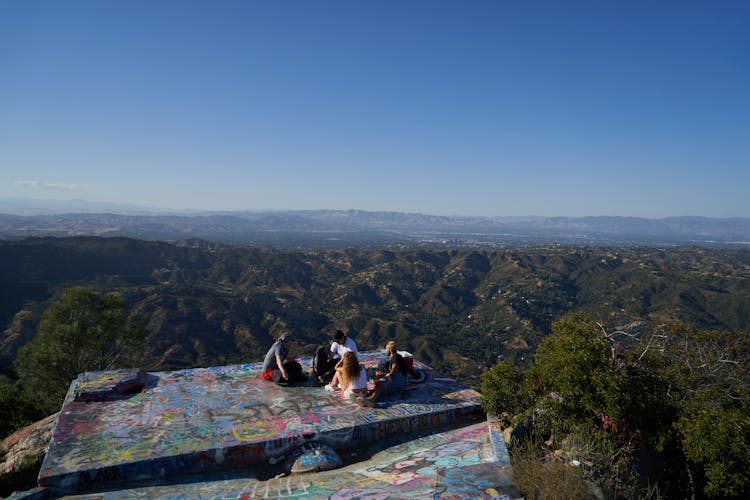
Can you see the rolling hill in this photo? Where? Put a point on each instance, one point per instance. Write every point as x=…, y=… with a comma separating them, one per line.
x=458, y=310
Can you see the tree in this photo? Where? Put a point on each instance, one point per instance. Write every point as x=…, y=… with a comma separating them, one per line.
x=575, y=362
x=502, y=389
x=82, y=330
x=710, y=380
x=14, y=411
x=717, y=440
x=680, y=391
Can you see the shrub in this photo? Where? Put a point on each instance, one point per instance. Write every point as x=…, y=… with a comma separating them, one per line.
x=718, y=440
x=501, y=389
x=546, y=477
x=81, y=331
x=575, y=362
x=15, y=410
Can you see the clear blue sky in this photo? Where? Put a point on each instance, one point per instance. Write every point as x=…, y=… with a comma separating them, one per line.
x=464, y=107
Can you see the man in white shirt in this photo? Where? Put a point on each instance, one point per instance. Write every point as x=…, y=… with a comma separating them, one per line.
x=341, y=343
x=325, y=362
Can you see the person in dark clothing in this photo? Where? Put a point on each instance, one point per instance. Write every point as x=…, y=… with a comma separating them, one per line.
x=390, y=381
x=277, y=366
x=323, y=367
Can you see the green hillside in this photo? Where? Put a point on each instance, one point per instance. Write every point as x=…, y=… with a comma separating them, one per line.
x=457, y=310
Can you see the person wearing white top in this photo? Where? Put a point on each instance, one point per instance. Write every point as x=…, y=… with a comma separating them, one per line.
x=358, y=385
x=350, y=376
x=325, y=364
x=341, y=344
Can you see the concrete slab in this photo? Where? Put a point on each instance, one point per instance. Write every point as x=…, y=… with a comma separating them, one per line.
x=226, y=419
x=458, y=463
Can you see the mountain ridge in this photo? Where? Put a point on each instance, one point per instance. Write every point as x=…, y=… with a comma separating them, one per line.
x=459, y=310
x=337, y=228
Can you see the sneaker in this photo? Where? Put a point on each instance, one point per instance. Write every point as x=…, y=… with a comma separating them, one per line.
x=329, y=388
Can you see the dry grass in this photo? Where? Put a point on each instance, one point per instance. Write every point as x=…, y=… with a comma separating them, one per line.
x=547, y=477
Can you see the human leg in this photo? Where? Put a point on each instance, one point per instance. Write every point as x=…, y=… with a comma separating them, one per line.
x=372, y=399
x=334, y=383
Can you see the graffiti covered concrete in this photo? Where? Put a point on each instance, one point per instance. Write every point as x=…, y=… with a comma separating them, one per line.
x=459, y=463
x=228, y=419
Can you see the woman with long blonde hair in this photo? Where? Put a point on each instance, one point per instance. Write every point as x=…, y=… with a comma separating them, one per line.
x=350, y=376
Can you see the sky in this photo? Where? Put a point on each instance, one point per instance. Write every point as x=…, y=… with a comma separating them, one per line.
x=499, y=108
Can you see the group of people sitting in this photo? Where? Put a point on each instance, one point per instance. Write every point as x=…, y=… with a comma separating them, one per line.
x=351, y=377
x=340, y=368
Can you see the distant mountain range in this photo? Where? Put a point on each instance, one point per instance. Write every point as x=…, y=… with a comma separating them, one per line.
x=336, y=228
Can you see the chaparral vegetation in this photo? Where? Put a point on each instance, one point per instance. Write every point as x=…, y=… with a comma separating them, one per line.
x=630, y=363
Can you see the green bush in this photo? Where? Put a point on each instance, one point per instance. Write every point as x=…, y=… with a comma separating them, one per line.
x=81, y=331
x=718, y=440
x=502, y=389
x=575, y=361
x=680, y=392
x=15, y=410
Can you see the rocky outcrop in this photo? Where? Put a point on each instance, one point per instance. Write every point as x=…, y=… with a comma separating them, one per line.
x=19, y=331
x=21, y=455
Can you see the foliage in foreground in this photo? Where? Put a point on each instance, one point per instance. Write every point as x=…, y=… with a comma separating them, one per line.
x=23, y=478
x=15, y=409
x=539, y=477
x=81, y=331
x=607, y=399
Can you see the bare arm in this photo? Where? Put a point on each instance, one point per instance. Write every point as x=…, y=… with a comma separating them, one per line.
x=280, y=363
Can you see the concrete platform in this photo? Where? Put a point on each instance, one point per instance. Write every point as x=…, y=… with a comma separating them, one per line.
x=458, y=463
x=186, y=425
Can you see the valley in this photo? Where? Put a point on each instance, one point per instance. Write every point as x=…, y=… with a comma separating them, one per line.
x=456, y=310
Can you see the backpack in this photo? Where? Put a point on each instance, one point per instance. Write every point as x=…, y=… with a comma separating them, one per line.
x=322, y=368
x=294, y=371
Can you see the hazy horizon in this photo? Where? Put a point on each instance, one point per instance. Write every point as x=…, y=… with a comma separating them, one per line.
x=488, y=109
x=56, y=206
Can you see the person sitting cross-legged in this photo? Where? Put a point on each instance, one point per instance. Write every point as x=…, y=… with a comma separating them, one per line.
x=350, y=376
x=278, y=366
x=392, y=380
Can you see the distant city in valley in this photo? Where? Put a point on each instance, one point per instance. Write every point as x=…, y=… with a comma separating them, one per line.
x=345, y=228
